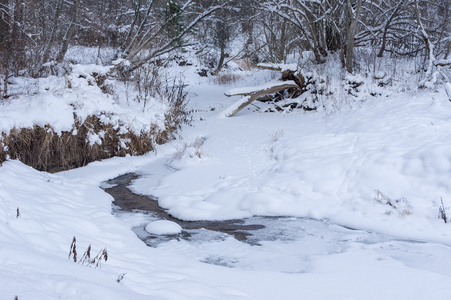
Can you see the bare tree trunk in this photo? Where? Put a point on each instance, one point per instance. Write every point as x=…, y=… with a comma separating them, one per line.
x=282, y=51
x=387, y=25
x=221, y=60
x=354, y=14
x=448, y=50
x=4, y=53
x=126, y=44
x=46, y=55
x=70, y=31
x=138, y=38
x=426, y=39
x=258, y=92
x=4, y=15
x=168, y=46
x=342, y=54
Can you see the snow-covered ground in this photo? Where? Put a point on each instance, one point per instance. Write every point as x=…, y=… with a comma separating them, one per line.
x=381, y=167
x=55, y=100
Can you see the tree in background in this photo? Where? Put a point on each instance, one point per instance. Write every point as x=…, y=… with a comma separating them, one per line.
x=37, y=34
x=148, y=37
x=218, y=30
x=4, y=46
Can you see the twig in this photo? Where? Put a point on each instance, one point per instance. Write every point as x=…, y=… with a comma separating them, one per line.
x=120, y=277
x=73, y=249
x=442, y=213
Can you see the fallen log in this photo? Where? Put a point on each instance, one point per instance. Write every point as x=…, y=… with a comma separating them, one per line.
x=289, y=72
x=252, y=93
x=291, y=79
x=442, y=62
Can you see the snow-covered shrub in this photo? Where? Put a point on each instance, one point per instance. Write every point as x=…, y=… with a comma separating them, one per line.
x=188, y=151
x=85, y=115
x=400, y=205
x=177, y=113
x=276, y=135
x=329, y=88
x=147, y=82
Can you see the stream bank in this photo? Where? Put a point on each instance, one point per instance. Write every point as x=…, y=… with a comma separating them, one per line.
x=127, y=201
x=284, y=244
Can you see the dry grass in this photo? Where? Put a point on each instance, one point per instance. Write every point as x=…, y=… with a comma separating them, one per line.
x=86, y=258
x=194, y=149
x=442, y=212
x=45, y=150
x=400, y=205
x=73, y=249
x=177, y=113
x=245, y=64
x=227, y=78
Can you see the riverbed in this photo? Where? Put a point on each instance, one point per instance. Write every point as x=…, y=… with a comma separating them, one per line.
x=286, y=244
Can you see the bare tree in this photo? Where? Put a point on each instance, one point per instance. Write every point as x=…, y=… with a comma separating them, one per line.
x=390, y=15
x=53, y=33
x=34, y=32
x=277, y=38
x=70, y=30
x=146, y=39
x=220, y=28
x=353, y=10
x=4, y=46
x=4, y=24
x=305, y=17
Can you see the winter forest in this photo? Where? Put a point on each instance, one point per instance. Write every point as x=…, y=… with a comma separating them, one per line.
x=409, y=40
x=36, y=36
x=225, y=149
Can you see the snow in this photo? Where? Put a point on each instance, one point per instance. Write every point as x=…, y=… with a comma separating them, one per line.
x=163, y=227
x=233, y=107
x=54, y=101
x=255, y=89
x=282, y=67
x=380, y=167
x=325, y=167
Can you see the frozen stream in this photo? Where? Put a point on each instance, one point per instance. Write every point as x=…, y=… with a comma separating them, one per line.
x=284, y=244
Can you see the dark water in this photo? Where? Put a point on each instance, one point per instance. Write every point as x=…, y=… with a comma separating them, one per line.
x=302, y=238
x=127, y=201
x=288, y=244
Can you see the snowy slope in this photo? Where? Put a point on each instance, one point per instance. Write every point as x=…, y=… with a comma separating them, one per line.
x=342, y=167
x=299, y=164
x=34, y=255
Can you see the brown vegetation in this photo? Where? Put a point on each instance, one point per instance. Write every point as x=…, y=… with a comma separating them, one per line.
x=46, y=150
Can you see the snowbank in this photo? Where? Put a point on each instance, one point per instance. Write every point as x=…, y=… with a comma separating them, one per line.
x=383, y=167
x=55, y=100
x=52, y=210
